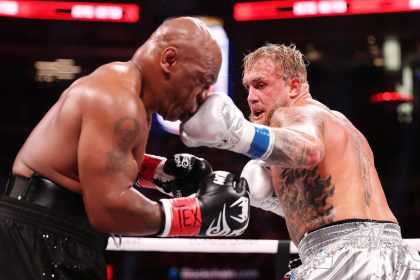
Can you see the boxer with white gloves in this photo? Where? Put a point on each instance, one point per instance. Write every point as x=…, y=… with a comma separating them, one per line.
x=220, y=208
x=322, y=170
x=262, y=195
x=177, y=176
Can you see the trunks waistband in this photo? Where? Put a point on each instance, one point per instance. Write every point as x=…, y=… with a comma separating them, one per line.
x=358, y=232
x=44, y=192
x=41, y=202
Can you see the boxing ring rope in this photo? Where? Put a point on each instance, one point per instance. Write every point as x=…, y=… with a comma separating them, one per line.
x=281, y=249
x=207, y=245
x=197, y=245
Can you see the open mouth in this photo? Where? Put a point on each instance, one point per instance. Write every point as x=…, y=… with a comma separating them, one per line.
x=258, y=114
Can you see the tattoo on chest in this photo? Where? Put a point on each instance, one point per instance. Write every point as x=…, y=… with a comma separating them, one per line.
x=304, y=194
x=125, y=132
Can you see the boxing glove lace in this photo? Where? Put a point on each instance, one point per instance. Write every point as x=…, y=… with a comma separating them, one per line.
x=176, y=176
x=218, y=123
x=220, y=208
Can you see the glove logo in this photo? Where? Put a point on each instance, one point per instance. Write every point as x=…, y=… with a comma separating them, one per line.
x=243, y=203
x=178, y=193
x=181, y=161
x=221, y=227
x=220, y=177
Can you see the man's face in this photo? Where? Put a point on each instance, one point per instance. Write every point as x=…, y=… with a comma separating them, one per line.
x=190, y=88
x=266, y=90
x=193, y=82
x=190, y=80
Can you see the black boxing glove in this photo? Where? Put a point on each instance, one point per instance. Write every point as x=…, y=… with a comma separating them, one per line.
x=177, y=176
x=220, y=208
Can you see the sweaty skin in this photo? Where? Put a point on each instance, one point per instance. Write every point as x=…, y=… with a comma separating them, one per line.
x=92, y=141
x=322, y=166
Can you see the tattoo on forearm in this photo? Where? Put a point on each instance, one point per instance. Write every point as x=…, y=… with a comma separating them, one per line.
x=304, y=194
x=125, y=132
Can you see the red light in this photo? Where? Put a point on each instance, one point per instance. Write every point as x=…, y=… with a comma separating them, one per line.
x=390, y=96
x=268, y=10
x=263, y=10
x=70, y=11
x=287, y=9
x=379, y=6
x=109, y=272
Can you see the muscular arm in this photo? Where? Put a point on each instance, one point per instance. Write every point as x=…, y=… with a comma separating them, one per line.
x=113, y=131
x=298, y=139
x=294, y=139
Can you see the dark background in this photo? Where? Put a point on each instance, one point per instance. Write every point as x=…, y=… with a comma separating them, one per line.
x=341, y=73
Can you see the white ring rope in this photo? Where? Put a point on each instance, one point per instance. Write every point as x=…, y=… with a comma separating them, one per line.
x=203, y=245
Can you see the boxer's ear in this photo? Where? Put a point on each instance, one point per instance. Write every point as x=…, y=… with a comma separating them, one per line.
x=168, y=59
x=294, y=85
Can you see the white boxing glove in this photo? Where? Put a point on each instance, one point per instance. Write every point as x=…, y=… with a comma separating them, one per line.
x=261, y=188
x=218, y=123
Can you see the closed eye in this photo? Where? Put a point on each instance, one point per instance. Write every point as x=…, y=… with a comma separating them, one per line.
x=205, y=84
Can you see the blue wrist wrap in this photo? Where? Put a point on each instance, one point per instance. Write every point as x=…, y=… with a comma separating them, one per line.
x=260, y=142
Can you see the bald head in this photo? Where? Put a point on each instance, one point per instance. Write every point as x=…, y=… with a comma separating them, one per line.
x=191, y=36
x=181, y=30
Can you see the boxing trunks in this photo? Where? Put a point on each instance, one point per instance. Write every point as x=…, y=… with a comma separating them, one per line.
x=356, y=249
x=45, y=233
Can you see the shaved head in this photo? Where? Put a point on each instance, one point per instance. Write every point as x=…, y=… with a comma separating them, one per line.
x=181, y=29
x=192, y=39
x=186, y=33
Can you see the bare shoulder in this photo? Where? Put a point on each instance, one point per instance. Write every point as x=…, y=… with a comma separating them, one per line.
x=339, y=115
x=298, y=115
x=113, y=87
x=114, y=75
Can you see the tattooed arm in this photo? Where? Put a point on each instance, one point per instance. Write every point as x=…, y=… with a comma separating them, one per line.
x=111, y=145
x=295, y=143
x=298, y=141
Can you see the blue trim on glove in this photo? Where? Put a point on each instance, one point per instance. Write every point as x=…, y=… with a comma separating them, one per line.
x=260, y=142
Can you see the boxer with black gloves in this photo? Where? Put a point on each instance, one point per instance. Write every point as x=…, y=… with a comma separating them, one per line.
x=65, y=202
x=177, y=176
x=220, y=208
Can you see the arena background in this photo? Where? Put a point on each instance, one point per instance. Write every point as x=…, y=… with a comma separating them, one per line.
x=365, y=65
